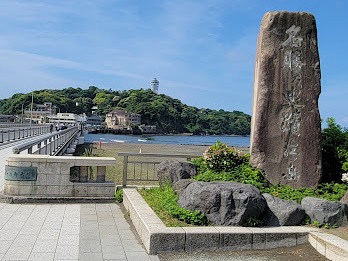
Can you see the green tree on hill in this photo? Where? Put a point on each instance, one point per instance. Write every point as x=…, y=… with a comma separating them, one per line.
x=168, y=114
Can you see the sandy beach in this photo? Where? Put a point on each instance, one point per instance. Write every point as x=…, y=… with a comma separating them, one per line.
x=113, y=148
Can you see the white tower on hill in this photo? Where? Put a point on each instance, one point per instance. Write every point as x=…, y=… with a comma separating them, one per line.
x=154, y=85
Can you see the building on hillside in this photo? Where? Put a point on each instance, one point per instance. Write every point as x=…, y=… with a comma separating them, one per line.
x=46, y=107
x=94, y=121
x=94, y=110
x=41, y=113
x=155, y=85
x=121, y=119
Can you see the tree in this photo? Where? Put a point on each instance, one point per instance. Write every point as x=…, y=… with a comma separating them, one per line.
x=334, y=144
x=168, y=114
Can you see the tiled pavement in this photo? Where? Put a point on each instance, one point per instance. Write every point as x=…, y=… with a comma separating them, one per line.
x=47, y=232
x=67, y=232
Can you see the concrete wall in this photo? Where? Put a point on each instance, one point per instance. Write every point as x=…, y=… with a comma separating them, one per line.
x=53, y=176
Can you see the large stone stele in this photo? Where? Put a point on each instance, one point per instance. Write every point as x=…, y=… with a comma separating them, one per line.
x=223, y=203
x=285, y=127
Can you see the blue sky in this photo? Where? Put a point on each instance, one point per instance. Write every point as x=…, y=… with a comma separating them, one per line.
x=202, y=51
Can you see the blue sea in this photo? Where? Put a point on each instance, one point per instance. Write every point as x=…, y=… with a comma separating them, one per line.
x=239, y=141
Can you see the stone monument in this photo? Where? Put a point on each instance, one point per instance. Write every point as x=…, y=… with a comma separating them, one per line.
x=286, y=128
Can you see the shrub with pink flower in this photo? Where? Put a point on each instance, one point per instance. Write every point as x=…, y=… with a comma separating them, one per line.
x=220, y=157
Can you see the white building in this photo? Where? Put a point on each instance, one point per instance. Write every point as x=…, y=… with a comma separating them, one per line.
x=65, y=118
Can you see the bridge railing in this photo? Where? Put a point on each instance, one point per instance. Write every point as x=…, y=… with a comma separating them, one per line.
x=143, y=166
x=53, y=144
x=11, y=134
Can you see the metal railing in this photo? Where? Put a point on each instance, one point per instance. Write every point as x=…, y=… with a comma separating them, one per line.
x=144, y=167
x=11, y=134
x=53, y=144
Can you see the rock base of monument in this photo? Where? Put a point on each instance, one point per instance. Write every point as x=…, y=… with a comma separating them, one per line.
x=158, y=238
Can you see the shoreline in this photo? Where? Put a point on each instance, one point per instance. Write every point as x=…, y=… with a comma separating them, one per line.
x=156, y=147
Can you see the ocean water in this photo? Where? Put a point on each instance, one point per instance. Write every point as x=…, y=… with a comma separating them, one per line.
x=239, y=141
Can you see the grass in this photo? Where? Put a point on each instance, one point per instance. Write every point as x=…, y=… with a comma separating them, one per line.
x=164, y=202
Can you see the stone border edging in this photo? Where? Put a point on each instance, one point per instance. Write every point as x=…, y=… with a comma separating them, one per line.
x=158, y=238
x=330, y=246
x=37, y=199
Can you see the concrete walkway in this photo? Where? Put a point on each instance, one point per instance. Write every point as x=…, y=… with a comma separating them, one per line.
x=67, y=232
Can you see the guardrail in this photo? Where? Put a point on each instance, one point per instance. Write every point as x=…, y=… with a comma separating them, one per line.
x=9, y=125
x=7, y=135
x=53, y=144
x=146, y=170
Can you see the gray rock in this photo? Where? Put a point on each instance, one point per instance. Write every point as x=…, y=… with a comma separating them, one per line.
x=344, y=200
x=324, y=211
x=280, y=212
x=224, y=203
x=181, y=185
x=172, y=170
x=286, y=128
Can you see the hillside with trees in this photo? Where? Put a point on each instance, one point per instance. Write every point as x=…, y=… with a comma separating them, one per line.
x=168, y=114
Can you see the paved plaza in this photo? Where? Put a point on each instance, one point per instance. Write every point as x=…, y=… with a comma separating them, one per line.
x=67, y=232
x=47, y=232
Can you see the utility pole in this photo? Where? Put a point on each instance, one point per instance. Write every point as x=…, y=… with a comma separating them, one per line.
x=22, y=113
x=31, y=109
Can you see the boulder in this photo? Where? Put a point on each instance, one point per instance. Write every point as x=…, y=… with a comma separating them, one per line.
x=224, y=203
x=180, y=186
x=324, y=211
x=280, y=212
x=172, y=170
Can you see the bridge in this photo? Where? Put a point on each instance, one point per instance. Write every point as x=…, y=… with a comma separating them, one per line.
x=36, y=139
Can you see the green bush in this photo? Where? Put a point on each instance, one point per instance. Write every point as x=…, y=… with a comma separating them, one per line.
x=219, y=157
x=329, y=191
x=252, y=222
x=119, y=195
x=243, y=173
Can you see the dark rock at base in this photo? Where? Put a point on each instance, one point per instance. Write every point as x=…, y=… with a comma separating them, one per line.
x=224, y=203
x=172, y=170
x=181, y=185
x=324, y=211
x=280, y=212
